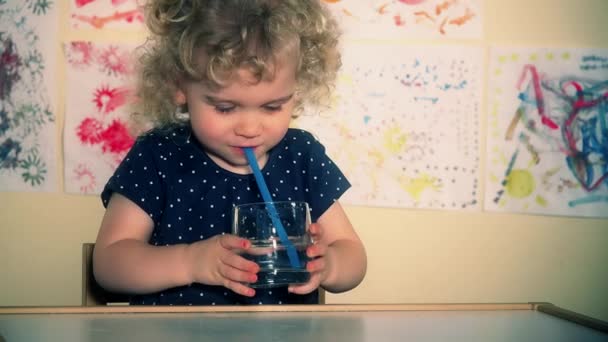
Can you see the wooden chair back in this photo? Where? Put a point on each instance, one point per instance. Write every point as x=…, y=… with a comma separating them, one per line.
x=92, y=293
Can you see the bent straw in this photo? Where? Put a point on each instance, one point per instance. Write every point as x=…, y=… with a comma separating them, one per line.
x=272, y=211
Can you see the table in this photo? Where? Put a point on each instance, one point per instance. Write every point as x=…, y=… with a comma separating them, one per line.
x=353, y=323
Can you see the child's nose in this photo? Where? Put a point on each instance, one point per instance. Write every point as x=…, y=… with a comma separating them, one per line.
x=249, y=126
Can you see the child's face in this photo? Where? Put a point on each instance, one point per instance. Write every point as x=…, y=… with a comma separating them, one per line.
x=242, y=114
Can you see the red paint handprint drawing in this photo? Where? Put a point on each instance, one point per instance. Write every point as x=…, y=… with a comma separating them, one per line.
x=97, y=112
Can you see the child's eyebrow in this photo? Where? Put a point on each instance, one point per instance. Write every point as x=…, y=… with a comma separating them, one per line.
x=214, y=100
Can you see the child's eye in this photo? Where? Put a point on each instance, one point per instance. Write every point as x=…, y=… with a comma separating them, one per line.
x=224, y=109
x=273, y=108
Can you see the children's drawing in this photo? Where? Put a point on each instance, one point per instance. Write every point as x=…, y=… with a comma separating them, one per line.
x=548, y=132
x=405, y=131
x=409, y=18
x=101, y=14
x=27, y=119
x=96, y=136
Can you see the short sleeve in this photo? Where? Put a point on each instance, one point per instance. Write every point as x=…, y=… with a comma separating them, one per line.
x=138, y=179
x=326, y=181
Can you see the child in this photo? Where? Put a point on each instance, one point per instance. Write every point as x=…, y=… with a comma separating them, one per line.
x=237, y=70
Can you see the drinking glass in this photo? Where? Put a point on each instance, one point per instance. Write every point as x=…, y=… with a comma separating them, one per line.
x=281, y=257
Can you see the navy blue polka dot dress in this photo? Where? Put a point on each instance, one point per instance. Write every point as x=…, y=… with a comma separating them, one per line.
x=190, y=198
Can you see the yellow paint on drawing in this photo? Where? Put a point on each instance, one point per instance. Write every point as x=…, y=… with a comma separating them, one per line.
x=346, y=79
x=520, y=183
x=395, y=139
x=541, y=201
x=377, y=156
x=416, y=186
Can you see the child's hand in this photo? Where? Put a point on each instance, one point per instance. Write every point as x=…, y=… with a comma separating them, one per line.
x=316, y=266
x=215, y=262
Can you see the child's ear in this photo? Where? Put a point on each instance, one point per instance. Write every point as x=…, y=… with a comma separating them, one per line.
x=180, y=97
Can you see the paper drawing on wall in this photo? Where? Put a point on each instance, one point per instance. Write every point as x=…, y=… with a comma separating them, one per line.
x=405, y=131
x=548, y=132
x=27, y=119
x=99, y=91
x=100, y=14
x=409, y=18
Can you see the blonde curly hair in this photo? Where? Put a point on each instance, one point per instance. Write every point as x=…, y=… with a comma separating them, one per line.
x=229, y=35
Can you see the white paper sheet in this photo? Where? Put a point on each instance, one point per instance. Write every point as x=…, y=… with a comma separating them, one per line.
x=104, y=14
x=28, y=36
x=96, y=135
x=548, y=131
x=416, y=19
x=405, y=128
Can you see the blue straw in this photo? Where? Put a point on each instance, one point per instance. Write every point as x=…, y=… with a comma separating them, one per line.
x=272, y=211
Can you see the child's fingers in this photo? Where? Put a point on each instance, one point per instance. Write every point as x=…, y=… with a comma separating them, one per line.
x=229, y=241
x=315, y=266
x=316, y=250
x=315, y=230
x=236, y=261
x=235, y=274
x=239, y=288
x=307, y=288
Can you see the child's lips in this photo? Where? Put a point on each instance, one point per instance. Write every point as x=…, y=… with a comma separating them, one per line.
x=241, y=149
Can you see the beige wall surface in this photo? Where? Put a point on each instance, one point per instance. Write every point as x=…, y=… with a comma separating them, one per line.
x=415, y=256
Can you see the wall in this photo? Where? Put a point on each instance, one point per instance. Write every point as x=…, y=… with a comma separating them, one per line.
x=414, y=256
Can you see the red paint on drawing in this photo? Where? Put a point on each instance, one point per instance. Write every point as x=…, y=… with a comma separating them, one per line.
x=466, y=17
x=411, y=2
x=89, y=131
x=101, y=22
x=398, y=20
x=85, y=178
x=382, y=8
x=114, y=61
x=423, y=15
x=80, y=54
x=538, y=95
x=80, y=3
x=444, y=6
x=108, y=99
x=116, y=138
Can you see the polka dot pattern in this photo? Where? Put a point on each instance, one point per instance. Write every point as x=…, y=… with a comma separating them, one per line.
x=190, y=198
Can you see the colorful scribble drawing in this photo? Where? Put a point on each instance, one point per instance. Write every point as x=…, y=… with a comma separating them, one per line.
x=99, y=92
x=402, y=18
x=550, y=133
x=405, y=131
x=100, y=14
x=27, y=121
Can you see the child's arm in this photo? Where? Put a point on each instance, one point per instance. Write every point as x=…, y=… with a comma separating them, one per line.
x=123, y=261
x=343, y=261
